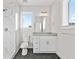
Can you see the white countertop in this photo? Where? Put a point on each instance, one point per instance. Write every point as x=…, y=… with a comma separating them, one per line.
x=44, y=34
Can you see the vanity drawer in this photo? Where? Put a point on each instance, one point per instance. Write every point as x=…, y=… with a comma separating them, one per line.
x=35, y=45
x=35, y=42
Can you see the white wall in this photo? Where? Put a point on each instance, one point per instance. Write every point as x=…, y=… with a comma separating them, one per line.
x=56, y=16
x=65, y=12
x=10, y=41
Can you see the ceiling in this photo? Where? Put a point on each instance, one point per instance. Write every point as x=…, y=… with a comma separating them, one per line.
x=31, y=2
x=36, y=2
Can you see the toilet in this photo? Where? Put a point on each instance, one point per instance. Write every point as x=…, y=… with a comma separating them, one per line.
x=24, y=46
x=26, y=33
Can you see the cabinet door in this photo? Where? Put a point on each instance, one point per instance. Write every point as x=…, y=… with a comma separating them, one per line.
x=47, y=44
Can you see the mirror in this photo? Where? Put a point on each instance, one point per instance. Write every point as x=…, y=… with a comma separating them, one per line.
x=40, y=24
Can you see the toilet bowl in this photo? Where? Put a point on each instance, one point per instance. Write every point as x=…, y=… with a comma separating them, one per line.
x=26, y=33
x=24, y=46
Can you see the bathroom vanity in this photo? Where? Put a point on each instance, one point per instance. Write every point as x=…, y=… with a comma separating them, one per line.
x=44, y=42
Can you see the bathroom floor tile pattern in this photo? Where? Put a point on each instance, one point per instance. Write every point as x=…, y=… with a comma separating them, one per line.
x=31, y=55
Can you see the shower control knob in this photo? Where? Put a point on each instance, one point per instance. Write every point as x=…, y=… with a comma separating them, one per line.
x=6, y=29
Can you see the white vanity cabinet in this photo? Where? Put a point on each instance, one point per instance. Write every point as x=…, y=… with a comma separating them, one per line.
x=44, y=44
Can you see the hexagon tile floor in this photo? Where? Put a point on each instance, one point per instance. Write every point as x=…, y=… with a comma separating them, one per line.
x=31, y=55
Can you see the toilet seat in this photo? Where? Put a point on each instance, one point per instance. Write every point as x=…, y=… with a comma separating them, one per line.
x=24, y=45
